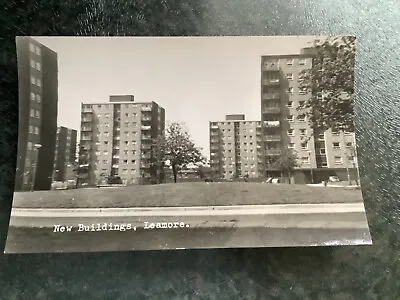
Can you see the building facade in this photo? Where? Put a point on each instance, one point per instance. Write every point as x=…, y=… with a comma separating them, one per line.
x=38, y=104
x=235, y=146
x=117, y=139
x=320, y=154
x=65, y=154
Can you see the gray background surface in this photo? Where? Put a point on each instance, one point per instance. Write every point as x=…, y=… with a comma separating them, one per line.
x=308, y=273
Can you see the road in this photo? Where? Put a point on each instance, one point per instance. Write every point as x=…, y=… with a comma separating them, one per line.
x=204, y=227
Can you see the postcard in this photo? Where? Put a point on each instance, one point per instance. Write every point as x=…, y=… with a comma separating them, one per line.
x=155, y=143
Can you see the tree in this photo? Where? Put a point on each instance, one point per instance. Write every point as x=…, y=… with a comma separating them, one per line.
x=286, y=162
x=330, y=84
x=176, y=149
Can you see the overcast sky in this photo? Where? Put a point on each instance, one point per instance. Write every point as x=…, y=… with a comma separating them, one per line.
x=196, y=80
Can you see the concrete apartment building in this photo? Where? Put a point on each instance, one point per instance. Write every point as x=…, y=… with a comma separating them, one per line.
x=117, y=138
x=235, y=147
x=320, y=154
x=65, y=154
x=38, y=103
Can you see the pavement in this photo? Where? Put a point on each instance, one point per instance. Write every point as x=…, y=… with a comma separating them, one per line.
x=33, y=230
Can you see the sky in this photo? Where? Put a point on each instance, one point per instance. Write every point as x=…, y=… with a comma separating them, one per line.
x=196, y=79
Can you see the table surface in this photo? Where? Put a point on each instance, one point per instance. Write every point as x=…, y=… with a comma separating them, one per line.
x=370, y=272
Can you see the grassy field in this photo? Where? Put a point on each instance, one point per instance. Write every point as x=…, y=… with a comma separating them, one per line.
x=185, y=194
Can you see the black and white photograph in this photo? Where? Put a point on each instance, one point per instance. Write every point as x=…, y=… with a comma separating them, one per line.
x=156, y=143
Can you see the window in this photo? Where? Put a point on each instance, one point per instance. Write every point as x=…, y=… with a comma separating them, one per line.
x=32, y=96
x=126, y=115
x=347, y=132
x=290, y=90
x=290, y=104
x=36, y=130
x=289, y=62
x=38, y=66
x=301, y=103
x=334, y=132
x=336, y=145
x=33, y=79
x=289, y=76
x=290, y=132
x=302, y=118
x=30, y=145
x=32, y=112
x=302, y=91
x=37, y=50
x=303, y=132
x=338, y=160
x=349, y=144
x=126, y=143
x=350, y=158
x=305, y=160
x=125, y=161
x=290, y=118
x=105, y=142
x=37, y=115
x=105, y=161
x=38, y=82
x=291, y=145
x=322, y=151
x=133, y=161
x=304, y=146
x=302, y=62
x=33, y=63
x=32, y=47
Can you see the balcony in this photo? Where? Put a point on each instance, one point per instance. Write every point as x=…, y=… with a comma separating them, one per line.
x=144, y=165
x=271, y=110
x=273, y=138
x=146, y=156
x=145, y=127
x=146, y=137
x=116, y=156
x=214, y=141
x=147, y=108
x=271, y=96
x=87, y=110
x=86, y=128
x=145, y=147
x=86, y=138
x=214, y=133
x=214, y=147
x=214, y=127
x=271, y=82
x=86, y=120
x=271, y=67
x=146, y=118
x=272, y=124
x=273, y=152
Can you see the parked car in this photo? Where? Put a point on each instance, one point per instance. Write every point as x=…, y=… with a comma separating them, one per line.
x=334, y=179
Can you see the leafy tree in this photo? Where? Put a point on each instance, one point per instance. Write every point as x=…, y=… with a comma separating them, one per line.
x=176, y=149
x=330, y=84
x=286, y=162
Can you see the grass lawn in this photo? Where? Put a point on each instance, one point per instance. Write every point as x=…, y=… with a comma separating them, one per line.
x=185, y=194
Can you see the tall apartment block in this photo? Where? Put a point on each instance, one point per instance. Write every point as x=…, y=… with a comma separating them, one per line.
x=235, y=146
x=117, y=139
x=38, y=101
x=326, y=153
x=65, y=154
